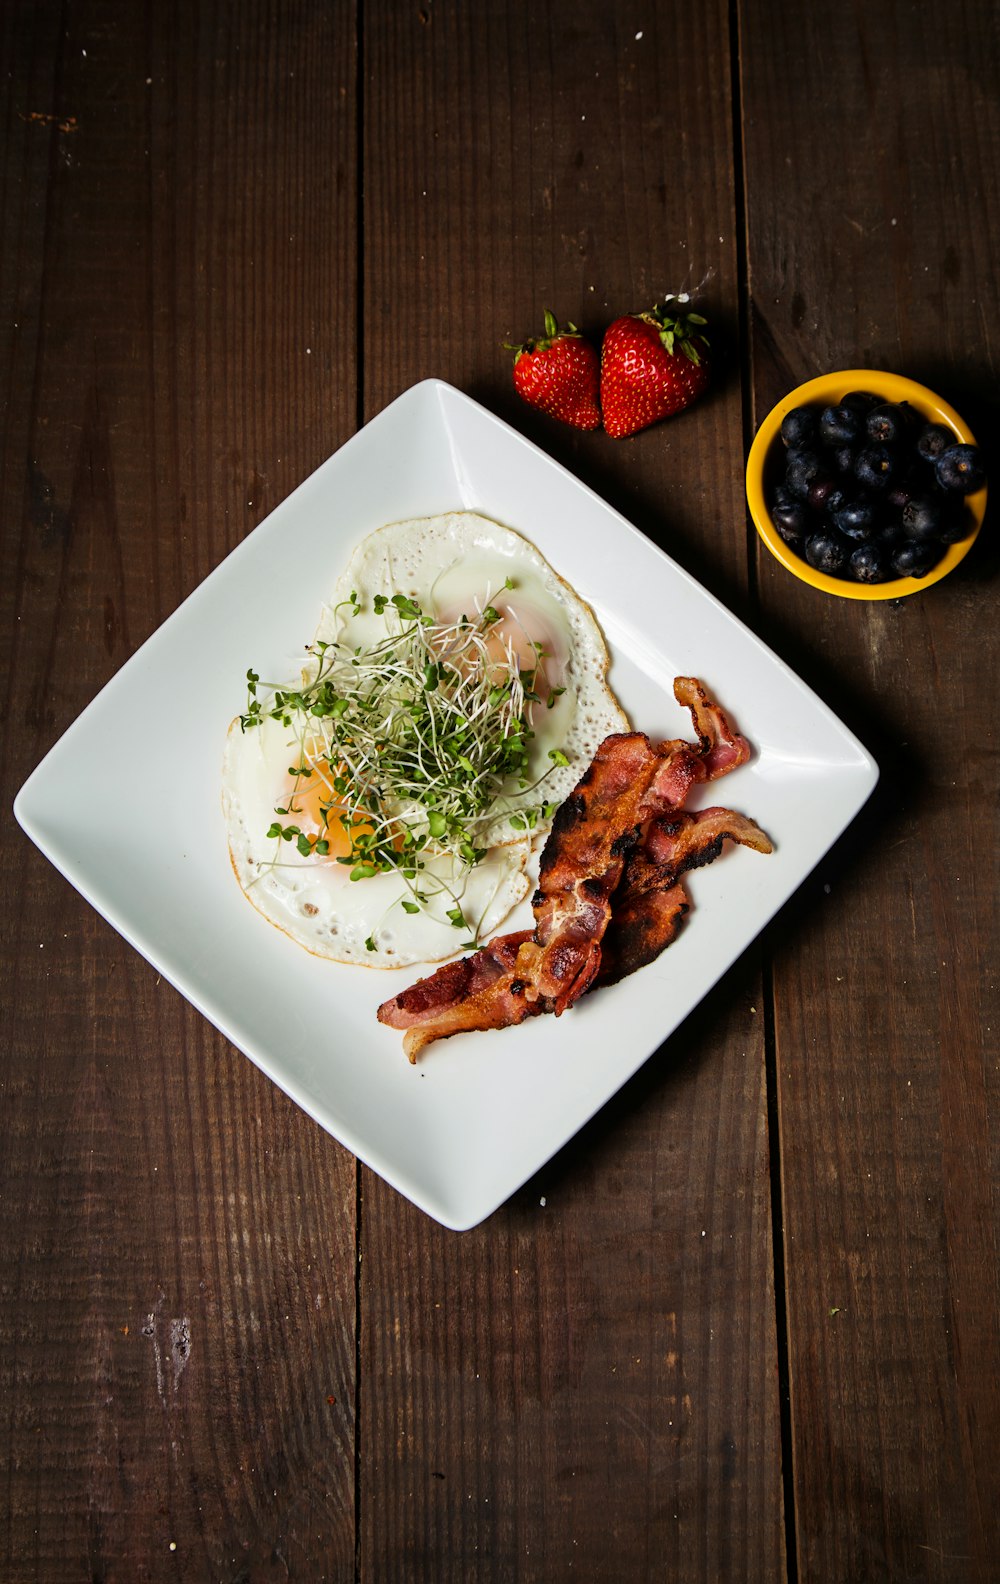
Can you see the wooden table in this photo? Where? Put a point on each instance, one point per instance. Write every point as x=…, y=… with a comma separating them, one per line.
x=745, y=1325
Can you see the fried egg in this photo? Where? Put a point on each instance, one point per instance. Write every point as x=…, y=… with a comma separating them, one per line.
x=281, y=774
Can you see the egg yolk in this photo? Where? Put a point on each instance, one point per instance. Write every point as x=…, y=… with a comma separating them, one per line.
x=507, y=637
x=305, y=799
x=513, y=636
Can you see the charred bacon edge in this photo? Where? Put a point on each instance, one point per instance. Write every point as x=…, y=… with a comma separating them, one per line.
x=652, y=902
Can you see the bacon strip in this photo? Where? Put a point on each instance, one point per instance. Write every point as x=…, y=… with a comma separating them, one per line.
x=581, y=865
x=721, y=747
x=464, y=979
x=609, y=897
x=475, y=992
x=643, y=925
x=651, y=901
x=677, y=841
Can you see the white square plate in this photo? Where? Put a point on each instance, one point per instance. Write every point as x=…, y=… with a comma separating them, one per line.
x=458, y=1133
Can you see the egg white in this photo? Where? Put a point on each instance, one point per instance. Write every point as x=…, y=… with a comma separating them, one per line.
x=315, y=901
x=458, y=562
x=451, y=565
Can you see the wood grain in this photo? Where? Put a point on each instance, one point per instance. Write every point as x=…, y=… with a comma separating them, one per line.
x=227, y=1352
x=177, y=1305
x=885, y=994
x=586, y=1385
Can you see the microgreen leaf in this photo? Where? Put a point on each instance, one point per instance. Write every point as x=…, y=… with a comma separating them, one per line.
x=416, y=740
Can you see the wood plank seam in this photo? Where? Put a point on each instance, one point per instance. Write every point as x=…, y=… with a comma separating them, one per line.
x=766, y=967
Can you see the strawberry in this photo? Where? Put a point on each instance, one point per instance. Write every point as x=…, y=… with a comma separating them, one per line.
x=559, y=373
x=652, y=364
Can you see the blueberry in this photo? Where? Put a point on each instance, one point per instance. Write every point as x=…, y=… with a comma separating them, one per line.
x=791, y=521
x=803, y=453
x=932, y=440
x=819, y=491
x=781, y=495
x=960, y=468
x=859, y=401
x=843, y=458
x=803, y=466
x=912, y=558
x=923, y=517
x=890, y=534
x=826, y=551
x=839, y=426
x=798, y=427
x=876, y=467
x=887, y=424
x=857, y=518
x=899, y=496
x=837, y=498
x=869, y=563
x=956, y=524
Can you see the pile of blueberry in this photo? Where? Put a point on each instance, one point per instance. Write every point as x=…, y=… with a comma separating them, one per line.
x=871, y=490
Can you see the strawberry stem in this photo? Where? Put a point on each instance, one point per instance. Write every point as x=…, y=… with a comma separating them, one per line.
x=541, y=343
x=682, y=331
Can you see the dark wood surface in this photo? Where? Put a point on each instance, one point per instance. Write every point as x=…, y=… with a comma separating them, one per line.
x=745, y=1326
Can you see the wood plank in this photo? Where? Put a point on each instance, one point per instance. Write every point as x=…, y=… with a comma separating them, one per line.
x=177, y=1340
x=872, y=196
x=586, y=1385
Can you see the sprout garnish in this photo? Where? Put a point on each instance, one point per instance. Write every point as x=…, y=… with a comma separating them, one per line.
x=419, y=744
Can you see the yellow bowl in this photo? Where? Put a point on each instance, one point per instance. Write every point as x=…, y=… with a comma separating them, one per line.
x=828, y=390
